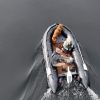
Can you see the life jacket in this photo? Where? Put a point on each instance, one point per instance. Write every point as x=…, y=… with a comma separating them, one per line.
x=57, y=32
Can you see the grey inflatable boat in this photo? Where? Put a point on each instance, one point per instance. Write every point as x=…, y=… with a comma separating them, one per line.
x=52, y=76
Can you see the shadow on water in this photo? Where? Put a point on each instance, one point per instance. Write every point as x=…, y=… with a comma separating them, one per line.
x=37, y=89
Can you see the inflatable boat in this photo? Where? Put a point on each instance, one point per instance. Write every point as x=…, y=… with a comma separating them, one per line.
x=47, y=47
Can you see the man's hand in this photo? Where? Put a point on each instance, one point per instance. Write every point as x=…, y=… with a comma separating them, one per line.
x=58, y=50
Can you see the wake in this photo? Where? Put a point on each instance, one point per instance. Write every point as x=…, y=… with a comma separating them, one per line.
x=75, y=91
x=92, y=94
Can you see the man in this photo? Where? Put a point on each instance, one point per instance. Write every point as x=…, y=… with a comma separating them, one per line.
x=63, y=58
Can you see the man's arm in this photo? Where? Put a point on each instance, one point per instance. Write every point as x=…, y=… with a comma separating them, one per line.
x=59, y=64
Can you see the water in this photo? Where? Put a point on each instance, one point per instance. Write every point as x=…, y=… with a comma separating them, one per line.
x=22, y=25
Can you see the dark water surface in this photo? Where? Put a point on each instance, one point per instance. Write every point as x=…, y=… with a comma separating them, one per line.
x=22, y=25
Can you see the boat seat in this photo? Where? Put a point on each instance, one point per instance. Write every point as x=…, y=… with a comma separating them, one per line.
x=64, y=74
